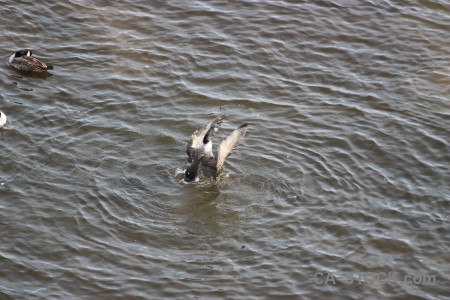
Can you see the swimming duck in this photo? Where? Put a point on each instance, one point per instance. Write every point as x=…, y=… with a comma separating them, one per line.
x=199, y=150
x=23, y=60
x=3, y=120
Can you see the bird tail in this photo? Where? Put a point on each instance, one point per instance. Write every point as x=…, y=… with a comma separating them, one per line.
x=49, y=68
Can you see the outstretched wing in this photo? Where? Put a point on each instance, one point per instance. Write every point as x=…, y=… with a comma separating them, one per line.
x=197, y=137
x=228, y=145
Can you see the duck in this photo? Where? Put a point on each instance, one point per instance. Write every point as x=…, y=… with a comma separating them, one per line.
x=23, y=60
x=3, y=120
x=201, y=159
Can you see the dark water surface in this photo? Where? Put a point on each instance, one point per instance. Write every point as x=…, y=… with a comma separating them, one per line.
x=344, y=171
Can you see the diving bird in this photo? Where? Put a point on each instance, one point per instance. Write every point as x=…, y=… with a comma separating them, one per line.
x=3, y=119
x=23, y=61
x=199, y=150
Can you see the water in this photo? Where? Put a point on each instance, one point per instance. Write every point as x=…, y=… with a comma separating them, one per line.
x=344, y=169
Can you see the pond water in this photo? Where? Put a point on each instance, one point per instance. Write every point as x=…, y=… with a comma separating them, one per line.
x=343, y=172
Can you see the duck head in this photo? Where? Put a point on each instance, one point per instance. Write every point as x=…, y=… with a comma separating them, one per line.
x=23, y=52
x=191, y=173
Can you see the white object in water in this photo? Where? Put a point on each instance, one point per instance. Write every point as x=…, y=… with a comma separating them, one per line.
x=3, y=120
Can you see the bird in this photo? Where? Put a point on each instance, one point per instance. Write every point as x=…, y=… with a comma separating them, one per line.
x=201, y=159
x=23, y=60
x=3, y=119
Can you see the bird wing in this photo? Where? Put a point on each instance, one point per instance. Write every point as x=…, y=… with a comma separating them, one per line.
x=228, y=145
x=29, y=63
x=197, y=137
